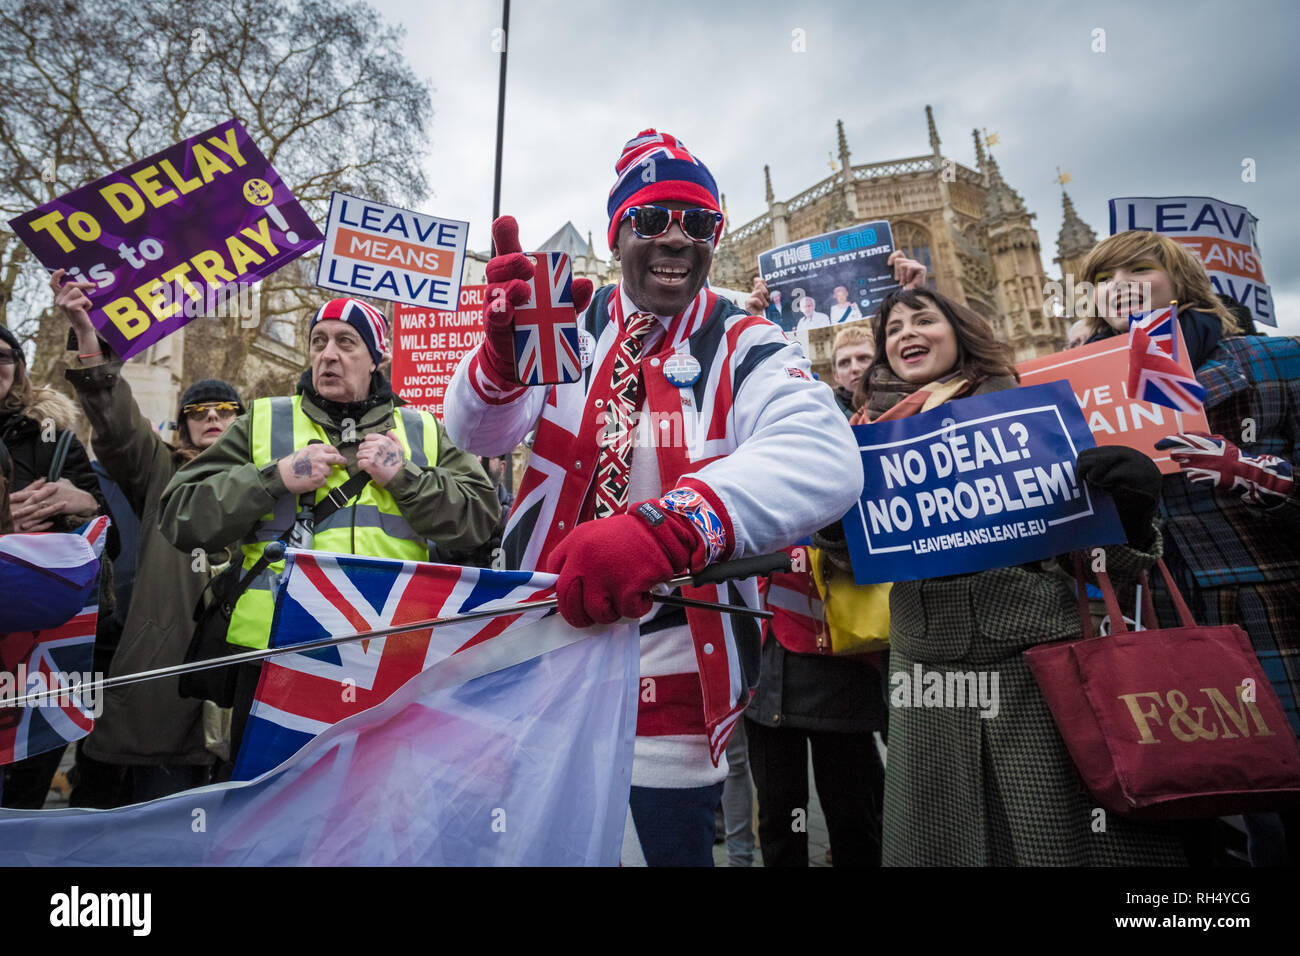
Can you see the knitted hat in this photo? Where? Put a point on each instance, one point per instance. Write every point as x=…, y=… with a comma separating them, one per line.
x=11, y=340
x=208, y=390
x=366, y=319
x=654, y=168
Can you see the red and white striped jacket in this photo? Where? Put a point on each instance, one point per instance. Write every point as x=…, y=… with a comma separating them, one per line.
x=756, y=435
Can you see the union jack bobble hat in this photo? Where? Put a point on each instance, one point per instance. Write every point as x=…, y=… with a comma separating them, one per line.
x=657, y=167
x=366, y=319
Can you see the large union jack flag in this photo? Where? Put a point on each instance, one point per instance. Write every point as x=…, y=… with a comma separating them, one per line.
x=56, y=657
x=546, y=326
x=329, y=595
x=1153, y=376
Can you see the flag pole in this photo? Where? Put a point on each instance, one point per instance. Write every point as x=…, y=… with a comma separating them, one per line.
x=501, y=113
x=509, y=477
x=259, y=654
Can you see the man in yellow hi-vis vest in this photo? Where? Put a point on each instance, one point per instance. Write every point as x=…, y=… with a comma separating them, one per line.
x=302, y=463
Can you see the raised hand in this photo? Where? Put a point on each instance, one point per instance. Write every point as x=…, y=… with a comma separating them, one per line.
x=759, y=297
x=908, y=273
x=70, y=298
x=508, y=275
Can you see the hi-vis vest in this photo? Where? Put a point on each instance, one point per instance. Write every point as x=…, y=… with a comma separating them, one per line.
x=372, y=524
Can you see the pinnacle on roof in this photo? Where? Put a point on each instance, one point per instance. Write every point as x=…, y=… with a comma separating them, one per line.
x=1001, y=199
x=979, y=150
x=934, y=133
x=844, y=146
x=1076, y=236
x=767, y=182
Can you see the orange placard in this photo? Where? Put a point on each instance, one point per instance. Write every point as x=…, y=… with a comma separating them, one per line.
x=1098, y=375
x=384, y=251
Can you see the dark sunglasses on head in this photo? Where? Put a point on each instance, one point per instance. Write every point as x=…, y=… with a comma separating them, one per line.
x=199, y=410
x=650, y=222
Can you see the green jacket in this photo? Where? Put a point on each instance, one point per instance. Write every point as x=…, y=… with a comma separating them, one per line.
x=148, y=723
x=218, y=498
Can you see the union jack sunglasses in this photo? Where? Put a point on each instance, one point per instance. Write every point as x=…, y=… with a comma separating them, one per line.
x=650, y=222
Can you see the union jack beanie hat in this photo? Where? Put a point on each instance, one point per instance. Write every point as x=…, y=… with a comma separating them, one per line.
x=366, y=319
x=656, y=167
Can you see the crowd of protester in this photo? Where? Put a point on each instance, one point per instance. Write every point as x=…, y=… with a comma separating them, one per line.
x=897, y=785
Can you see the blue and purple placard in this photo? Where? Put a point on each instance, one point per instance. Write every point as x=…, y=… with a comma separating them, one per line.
x=983, y=482
x=163, y=236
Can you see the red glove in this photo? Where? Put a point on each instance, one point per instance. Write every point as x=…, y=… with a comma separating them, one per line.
x=508, y=275
x=607, y=567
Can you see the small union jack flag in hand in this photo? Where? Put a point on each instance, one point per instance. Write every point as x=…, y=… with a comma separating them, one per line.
x=1155, y=377
x=1263, y=479
x=1159, y=326
x=546, y=328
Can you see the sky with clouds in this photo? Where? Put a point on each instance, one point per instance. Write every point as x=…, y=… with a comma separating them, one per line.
x=1183, y=92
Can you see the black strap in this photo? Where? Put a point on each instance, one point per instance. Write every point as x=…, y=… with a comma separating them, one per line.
x=60, y=456
x=338, y=497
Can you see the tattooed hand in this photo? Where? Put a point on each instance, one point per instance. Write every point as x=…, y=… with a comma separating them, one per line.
x=309, y=468
x=382, y=456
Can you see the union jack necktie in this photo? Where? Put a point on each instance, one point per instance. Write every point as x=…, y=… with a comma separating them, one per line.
x=615, y=465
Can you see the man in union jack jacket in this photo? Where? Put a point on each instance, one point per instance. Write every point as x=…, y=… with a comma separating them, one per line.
x=695, y=433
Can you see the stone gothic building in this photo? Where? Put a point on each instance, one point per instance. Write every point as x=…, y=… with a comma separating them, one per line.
x=1073, y=242
x=968, y=226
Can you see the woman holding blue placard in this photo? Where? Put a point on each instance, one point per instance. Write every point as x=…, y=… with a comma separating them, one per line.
x=993, y=784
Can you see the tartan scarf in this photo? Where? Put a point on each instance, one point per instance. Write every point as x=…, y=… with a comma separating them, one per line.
x=884, y=390
x=895, y=398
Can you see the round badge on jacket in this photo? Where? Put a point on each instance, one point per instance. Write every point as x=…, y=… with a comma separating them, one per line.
x=586, y=347
x=682, y=370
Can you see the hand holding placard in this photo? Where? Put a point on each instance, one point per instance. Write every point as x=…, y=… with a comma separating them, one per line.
x=1133, y=481
x=977, y=483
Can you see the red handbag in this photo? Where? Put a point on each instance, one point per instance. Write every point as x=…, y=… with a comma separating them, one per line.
x=1169, y=724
